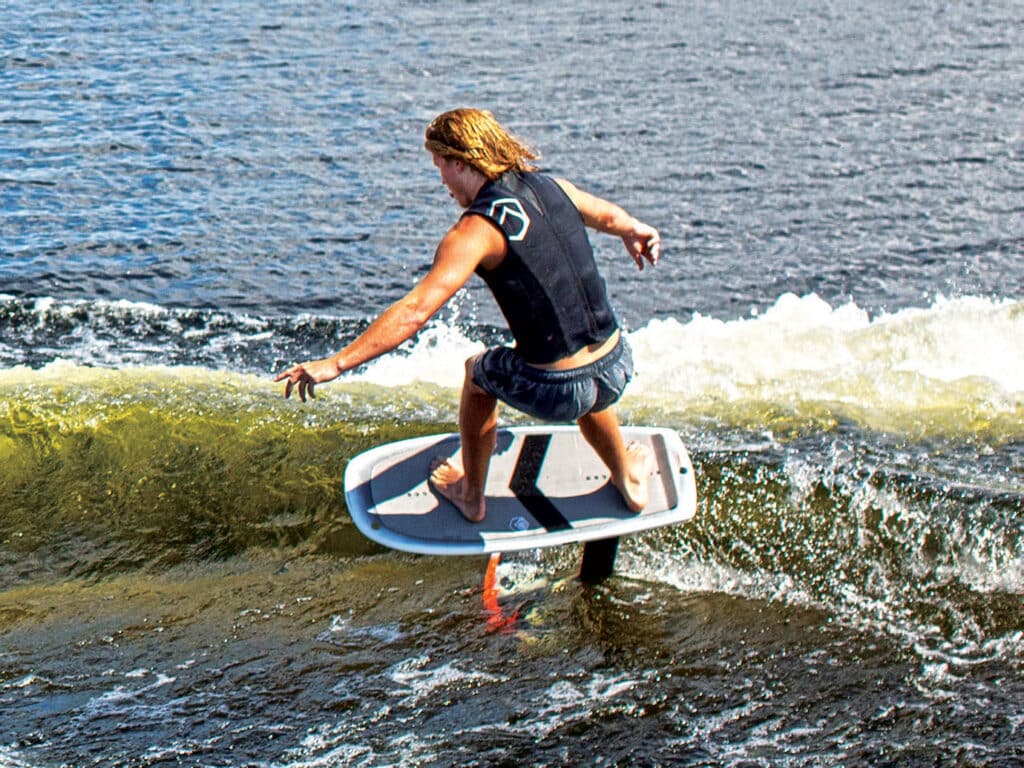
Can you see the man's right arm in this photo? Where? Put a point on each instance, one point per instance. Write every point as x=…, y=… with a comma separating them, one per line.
x=472, y=241
x=461, y=250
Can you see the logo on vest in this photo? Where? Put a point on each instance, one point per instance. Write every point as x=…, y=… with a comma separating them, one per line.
x=509, y=208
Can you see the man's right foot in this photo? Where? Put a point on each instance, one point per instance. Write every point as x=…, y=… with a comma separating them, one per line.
x=449, y=480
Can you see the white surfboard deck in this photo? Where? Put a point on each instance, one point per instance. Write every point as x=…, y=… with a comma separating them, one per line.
x=546, y=487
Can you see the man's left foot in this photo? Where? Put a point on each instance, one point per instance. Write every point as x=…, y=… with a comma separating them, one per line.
x=639, y=468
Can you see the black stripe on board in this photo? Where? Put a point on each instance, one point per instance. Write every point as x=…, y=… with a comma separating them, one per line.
x=524, y=483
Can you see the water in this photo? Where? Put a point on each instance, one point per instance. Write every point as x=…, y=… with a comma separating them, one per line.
x=195, y=195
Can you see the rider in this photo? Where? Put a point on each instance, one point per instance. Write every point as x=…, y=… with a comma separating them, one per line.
x=524, y=233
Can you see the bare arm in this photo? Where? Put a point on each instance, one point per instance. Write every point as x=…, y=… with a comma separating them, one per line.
x=466, y=245
x=642, y=241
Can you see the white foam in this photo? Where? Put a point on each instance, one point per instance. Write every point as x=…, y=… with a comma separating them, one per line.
x=953, y=367
x=417, y=679
x=435, y=356
x=335, y=755
x=983, y=572
x=11, y=758
x=801, y=350
x=341, y=627
x=803, y=341
x=123, y=700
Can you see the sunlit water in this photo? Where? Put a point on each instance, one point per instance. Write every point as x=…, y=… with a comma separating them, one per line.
x=194, y=197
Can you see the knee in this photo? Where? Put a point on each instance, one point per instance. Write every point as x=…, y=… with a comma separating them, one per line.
x=469, y=384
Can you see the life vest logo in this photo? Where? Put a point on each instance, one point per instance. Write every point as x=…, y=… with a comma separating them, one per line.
x=507, y=208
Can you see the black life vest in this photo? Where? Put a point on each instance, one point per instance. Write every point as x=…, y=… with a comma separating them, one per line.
x=548, y=286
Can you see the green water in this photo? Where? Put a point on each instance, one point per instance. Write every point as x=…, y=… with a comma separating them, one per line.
x=180, y=580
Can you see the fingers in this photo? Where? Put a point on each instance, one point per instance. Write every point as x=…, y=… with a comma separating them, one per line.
x=652, y=250
x=298, y=379
x=304, y=385
x=649, y=249
x=643, y=244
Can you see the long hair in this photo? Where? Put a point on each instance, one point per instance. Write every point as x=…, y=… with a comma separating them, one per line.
x=477, y=139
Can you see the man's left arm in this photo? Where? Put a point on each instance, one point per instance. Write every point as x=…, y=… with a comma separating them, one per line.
x=642, y=241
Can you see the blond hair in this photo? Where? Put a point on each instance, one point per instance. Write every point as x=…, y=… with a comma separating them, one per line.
x=477, y=139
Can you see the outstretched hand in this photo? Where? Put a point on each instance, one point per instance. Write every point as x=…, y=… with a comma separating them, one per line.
x=643, y=242
x=304, y=376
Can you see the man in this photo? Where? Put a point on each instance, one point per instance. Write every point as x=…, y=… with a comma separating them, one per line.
x=524, y=233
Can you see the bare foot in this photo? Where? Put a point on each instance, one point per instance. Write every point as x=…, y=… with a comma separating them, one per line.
x=449, y=480
x=639, y=468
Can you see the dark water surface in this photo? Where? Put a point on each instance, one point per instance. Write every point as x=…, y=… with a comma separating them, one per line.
x=194, y=195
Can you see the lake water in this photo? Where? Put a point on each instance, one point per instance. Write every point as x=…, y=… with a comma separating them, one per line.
x=194, y=195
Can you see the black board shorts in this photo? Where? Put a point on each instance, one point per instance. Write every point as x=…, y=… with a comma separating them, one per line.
x=554, y=395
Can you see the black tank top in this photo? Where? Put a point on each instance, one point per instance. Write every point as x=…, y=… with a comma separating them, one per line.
x=547, y=287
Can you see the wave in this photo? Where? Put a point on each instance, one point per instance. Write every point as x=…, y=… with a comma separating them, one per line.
x=870, y=466
x=159, y=469
x=949, y=369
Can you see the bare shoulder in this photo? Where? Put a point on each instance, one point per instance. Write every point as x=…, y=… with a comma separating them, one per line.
x=478, y=237
x=597, y=212
x=586, y=203
x=570, y=189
